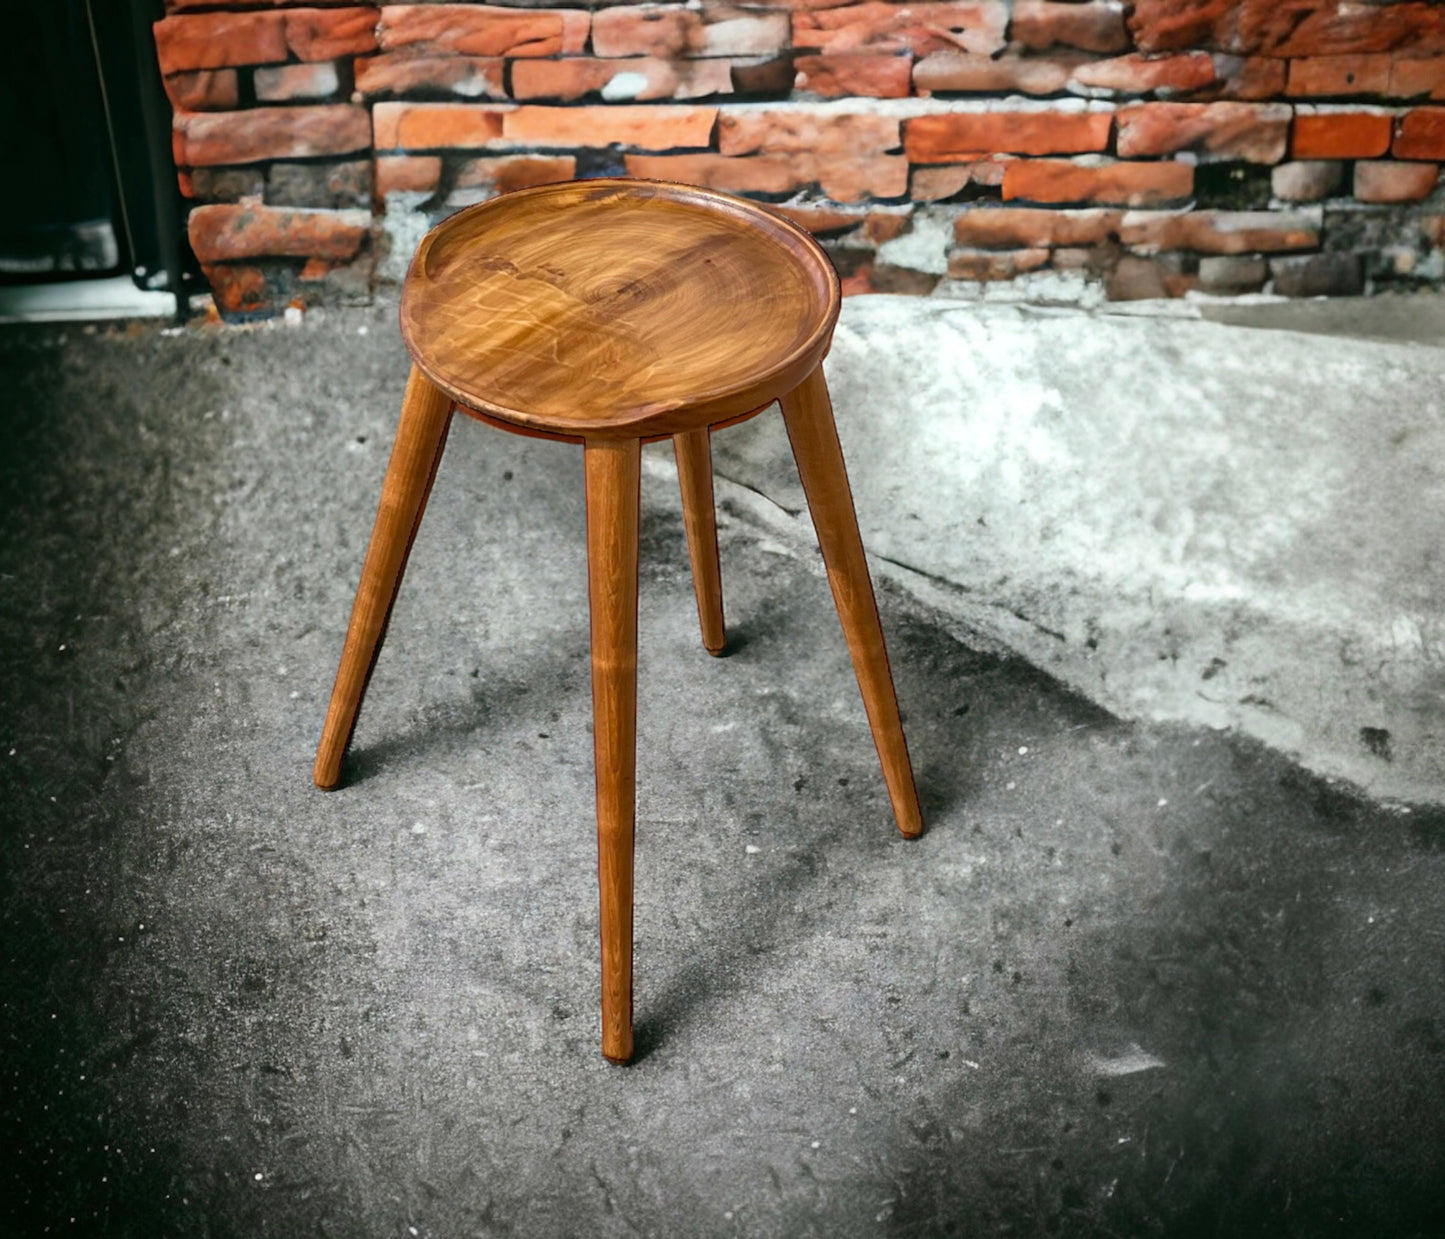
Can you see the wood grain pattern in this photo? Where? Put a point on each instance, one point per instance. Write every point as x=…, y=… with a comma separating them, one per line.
x=617, y=308
x=614, y=477
x=693, y=449
x=415, y=456
x=808, y=413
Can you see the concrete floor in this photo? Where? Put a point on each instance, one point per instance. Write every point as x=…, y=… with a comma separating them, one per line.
x=1138, y=978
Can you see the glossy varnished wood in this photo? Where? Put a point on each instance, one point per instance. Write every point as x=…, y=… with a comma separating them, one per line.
x=693, y=449
x=808, y=413
x=617, y=308
x=415, y=455
x=614, y=475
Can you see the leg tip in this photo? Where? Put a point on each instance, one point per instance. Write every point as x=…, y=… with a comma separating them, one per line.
x=615, y=1061
x=717, y=651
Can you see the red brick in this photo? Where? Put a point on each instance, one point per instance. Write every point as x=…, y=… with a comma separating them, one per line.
x=1421, y=134
x=805, y=131
x=211, y=138
x=1250, y=77
x=884, y=226
x=219, y=40
x=852, y=178
x=1141, y=75
x=203, y=90
x=820, y=220
x=674, y=32
x=1341, y=135
x=1255, y=132
x=1093, y=25
x=1387, y=181
x=1417, y=79
x=966, y=264
x=919, y=28
x=764, y=174
x=644, y=77
x=961, y=71
x=655, y=127
x=304, y=81
x=876, y=77
x=396, y=73
x=503, y=173
x=950, y=137
x=238, y=289
x=483, y=30
x=934, y=184
x=407, y=173
x=185, y=184
x=324, y=34
x=1221, y=232
x=226, y=232
x=1030, y=228
x=1314, y=76
x=1113, y=184
x=1289, y=27
x=436, y=126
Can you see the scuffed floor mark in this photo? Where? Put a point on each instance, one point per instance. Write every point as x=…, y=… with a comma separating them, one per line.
x=1130, y=1062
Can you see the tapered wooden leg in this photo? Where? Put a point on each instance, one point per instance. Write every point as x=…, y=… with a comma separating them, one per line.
x=613, y=480
x=420, y=438
x=809, y=416
x=694, y=478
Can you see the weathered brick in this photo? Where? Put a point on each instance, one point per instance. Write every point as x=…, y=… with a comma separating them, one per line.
x=935, y=184
x=1389, y=181
x=238, y=289
x=764, y=174
x=820, y=220
x=436, y=126
x=325, y=34
x=1289, y=27
x=1093, y=25
x=223, y=233
x=672, y=31
x=643, y=77
x=226, y=184
x=1340, y=75
x=345, y=184
x=1421, y=134
x=852, y=178
x=1229, y=275
x=649, y=127
x=1249, y=78
x=882, y=76
x=483, y=30
x=1141, y=75
x=303, y=81
x=1112, y=184
x=203, y=90
x=884, y=226
x=396, y=73
x=1333, y=274
x=1254, y=132
x=1311, y=180
x=503, y=173
x=408, y=174
x=962, y=71
x=963, y=136
x=1031, y=228
x=805, y=131
x=920, y=28
x=968, y=264
x=763, y=75
x=219, y=40
x=1145, y=279
x=1341, y=135
x=1220, y=232
x=1412, y=78
x=210, y=138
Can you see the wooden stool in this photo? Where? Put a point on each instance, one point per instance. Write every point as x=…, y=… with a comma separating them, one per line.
x=609, y=313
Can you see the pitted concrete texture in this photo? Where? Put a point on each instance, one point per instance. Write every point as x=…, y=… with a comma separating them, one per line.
x=1135, y=979
x=1180, y=519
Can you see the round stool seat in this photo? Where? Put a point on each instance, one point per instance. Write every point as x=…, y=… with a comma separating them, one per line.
x=617, y=308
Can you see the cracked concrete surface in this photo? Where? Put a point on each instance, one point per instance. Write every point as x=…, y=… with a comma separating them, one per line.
x=1137, y=978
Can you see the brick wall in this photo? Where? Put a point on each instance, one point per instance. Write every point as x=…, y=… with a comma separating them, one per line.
x=1085, y=147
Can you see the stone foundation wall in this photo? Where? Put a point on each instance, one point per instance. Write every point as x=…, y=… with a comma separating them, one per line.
x=1056, y=149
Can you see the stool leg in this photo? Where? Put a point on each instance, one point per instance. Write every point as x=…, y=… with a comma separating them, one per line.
x=693, y=449
x=809, y=416
x=614, y=471
x=420, y=437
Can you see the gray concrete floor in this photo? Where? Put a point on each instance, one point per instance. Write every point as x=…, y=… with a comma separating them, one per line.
x=1136, y=979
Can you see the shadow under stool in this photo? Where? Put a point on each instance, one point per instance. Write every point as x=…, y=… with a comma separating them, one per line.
x=611, y=313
